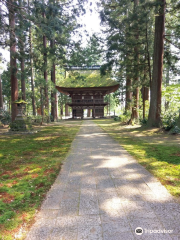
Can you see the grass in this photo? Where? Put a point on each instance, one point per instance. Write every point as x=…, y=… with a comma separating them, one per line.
x=29, y=164
x=158, y=152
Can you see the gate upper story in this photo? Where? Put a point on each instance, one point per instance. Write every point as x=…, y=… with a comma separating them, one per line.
x=87, y=97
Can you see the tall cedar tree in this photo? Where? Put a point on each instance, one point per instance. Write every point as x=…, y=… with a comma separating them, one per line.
x=135, y=113
x=11, y=5
x=31, y=64
x=154, y=119
x=21, y=42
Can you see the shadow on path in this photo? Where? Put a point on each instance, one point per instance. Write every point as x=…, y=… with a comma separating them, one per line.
x=102, y=193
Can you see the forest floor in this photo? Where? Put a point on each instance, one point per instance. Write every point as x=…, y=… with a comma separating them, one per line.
x=156, y=150
x=29, y=165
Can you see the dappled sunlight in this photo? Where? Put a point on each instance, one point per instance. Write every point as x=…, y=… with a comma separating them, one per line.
x=92, y=135
x=35, y=170
x=113, y=204
x=45, y=138
x=16, y=140
x=34, y=161
x=111, y=162
x=102, y=189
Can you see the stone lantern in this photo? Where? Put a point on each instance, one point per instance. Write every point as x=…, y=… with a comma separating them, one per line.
x=20, y=123
x=21, y=105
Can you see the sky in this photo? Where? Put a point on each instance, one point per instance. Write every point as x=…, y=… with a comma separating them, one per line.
x=91, y=19
x=90, y=22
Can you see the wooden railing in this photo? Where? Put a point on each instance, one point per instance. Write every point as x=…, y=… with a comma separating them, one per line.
x=85, y=101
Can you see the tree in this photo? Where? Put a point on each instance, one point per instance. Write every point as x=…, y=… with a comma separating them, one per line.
x=135, y=114
x=31, y=65
x=6, y=86
x=154, y=119
x=13, y=66
x=128, y=31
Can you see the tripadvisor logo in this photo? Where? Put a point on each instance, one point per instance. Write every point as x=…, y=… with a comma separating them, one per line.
x=139, y=231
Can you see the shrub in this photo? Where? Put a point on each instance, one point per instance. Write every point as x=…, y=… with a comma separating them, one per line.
x=175, y=130
x=5, y=117
x=169, y=120
x=116, y=118
x=143, y=121
x=126, y=116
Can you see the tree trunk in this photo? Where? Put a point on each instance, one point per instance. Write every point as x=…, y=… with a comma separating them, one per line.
x=154, y=119
x=23, y=83
x=135, y=113
x=148, y=55
x=42, y=102
x=45, y=73
x=128, y=94
x=13, y=66
x=53, y=93
x=66, y=110
x=22, y=54
x=167, y=84
x=128, y=80
x=61, y=109
x=31, y=66
x=145, y=97
x=1, y=96
x=32, y=78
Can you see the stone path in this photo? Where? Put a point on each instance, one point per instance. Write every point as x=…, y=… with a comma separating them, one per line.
x=102, y=193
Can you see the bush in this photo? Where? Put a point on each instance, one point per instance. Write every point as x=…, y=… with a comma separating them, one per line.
x=5, y=117
x=175, y=130
x=143, y=121
x=116, y=118
x=169, y=120
x=126, y=116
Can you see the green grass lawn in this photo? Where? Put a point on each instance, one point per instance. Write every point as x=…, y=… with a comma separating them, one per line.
x=159, y=153
x=29, y=164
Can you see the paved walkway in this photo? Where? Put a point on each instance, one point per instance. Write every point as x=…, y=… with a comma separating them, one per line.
x=102, y=193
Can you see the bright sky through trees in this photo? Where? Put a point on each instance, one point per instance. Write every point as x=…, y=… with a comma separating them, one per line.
x=90, y=22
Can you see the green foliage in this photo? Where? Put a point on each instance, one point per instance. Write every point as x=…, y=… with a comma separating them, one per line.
x=126, y=116
x=116, y=118
x=175, y=130
x=89, y=55
x=86, y=79
x=143, y=121
x=5, y=117
x=169, y=120
x=140, y=110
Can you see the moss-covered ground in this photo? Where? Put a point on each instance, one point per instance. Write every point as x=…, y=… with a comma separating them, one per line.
x=29, y=164
x=157, y=151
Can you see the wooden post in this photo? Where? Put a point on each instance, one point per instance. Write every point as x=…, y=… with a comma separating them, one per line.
x=88, y=112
